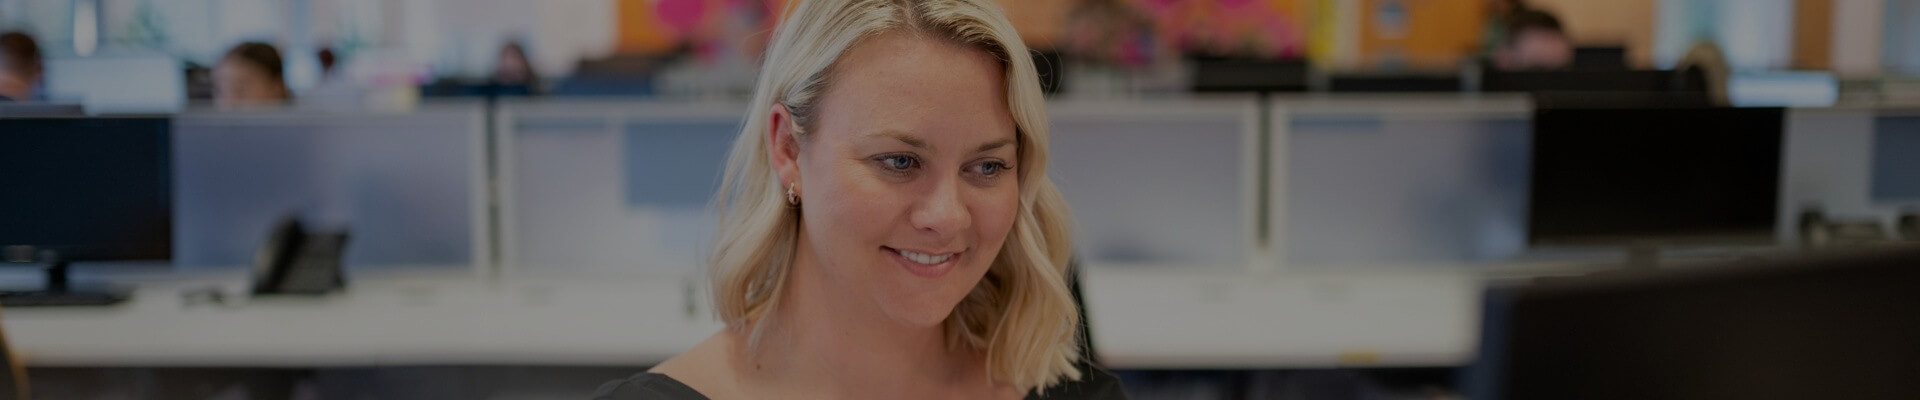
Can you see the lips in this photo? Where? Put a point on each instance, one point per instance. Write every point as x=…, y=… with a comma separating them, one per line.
x=924, y=264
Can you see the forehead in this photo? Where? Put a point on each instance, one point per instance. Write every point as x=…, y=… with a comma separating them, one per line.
x=235, y=64
x=921, y=85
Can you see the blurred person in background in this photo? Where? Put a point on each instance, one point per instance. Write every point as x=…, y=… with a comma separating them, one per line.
x=512, y=68
x=1499, y=13
x=1535, y=41
x=334, y=87
x=889, y=230
x=327, y=61
x=1705, y=56
x=251, y=74
x=20, y=67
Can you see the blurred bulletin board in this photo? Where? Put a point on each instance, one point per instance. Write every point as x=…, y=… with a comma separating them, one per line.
x=1420, y=34
x=1260, y=28
x=1246, y=27
x=1439, y=34
x=705, y=26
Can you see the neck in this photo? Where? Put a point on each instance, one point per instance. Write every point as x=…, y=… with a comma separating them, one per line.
x=839, y=342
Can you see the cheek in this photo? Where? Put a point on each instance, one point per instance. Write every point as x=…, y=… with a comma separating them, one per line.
x=993, y=218
x=844, y=211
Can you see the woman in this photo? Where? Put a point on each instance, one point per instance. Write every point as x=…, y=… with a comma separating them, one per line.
x=888, y=229
x=250, y=74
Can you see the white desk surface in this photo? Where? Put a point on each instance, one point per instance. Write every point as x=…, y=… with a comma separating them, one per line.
x=1164, y=319
x=1140, y=319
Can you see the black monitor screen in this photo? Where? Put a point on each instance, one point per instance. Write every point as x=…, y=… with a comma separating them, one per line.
x=1647, y=81
x=1706, y=176
x=1392, y=83
x=1600, y=57
x=1818, y=327
x=86, y=189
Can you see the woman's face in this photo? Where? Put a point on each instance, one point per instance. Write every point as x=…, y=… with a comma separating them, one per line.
x=907, y=177
x=1538, y=49
x=240, y=82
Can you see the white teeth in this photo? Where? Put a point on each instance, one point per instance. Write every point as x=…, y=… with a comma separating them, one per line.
x=924, y=258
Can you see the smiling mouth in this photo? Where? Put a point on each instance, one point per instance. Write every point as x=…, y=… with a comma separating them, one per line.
x=928, y=265
x=923, y=258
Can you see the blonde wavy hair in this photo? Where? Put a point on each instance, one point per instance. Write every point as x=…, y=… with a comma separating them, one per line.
x=1021, y=315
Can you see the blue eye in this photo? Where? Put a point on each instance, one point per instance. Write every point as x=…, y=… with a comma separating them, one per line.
x=898, y=162
x=991, y=168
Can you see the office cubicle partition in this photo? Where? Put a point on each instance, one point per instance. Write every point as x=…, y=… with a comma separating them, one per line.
x=1849, y=162
x=410, y=187
x=1362, y=182
x=609, y=187
x=622, y=187
x=1160, y=183
x=1896, y=158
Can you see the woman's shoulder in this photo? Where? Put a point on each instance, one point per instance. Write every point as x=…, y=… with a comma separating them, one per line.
x=1095, y=383
x=677, y=378
x=647, y=386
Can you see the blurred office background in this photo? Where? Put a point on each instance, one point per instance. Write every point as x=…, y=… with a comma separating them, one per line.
x=1122, y=47
x=1276, y=199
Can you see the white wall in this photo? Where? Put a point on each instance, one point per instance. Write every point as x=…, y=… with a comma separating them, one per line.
x=447, y=37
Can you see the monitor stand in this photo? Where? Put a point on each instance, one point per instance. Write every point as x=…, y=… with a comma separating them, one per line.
x=57, y=273
x=60, y=292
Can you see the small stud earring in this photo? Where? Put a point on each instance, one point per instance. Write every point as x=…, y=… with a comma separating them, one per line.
x=792, y=198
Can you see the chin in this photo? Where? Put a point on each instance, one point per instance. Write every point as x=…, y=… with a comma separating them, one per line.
x=930, y=306
x=922, y=318
x=923, y=309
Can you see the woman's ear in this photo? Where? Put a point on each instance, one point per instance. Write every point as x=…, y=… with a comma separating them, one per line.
x=783, y=146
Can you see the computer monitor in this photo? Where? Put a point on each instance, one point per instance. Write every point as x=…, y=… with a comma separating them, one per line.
x=85, y=189
x=1836, y=326
x=16, y=110
x=464, y=88
x=1647, y=81
x=1600, y=57
x=1660, y=176
x=1231, y=74
x=1393, y=83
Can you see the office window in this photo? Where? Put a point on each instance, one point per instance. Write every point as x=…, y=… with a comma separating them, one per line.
x=1902, y=37
x=1754, y=34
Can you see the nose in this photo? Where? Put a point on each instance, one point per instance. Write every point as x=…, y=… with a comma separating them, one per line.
x=943, y=211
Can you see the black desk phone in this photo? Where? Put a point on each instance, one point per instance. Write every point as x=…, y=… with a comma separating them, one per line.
x=296, y=261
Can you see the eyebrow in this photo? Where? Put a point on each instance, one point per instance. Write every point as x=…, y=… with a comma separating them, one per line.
x=905, y=138
x=922, y=144
x=993, y=145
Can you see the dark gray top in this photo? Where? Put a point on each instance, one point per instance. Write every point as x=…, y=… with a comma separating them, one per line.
x=1094, y=384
